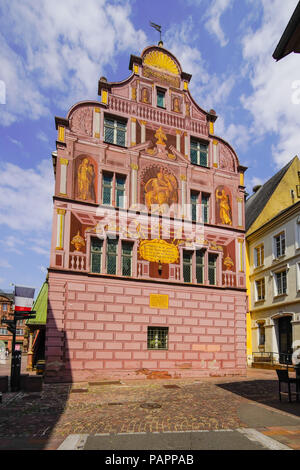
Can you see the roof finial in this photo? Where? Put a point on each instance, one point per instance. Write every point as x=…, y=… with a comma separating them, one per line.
x=158, y=28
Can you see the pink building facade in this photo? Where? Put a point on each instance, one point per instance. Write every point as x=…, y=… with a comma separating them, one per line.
x=147, y=269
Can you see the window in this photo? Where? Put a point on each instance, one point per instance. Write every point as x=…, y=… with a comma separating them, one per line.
x=113, y=184
x=202, y=200
x=194, y=205
x=127, y=248
x=19, y=332
x=199, y=153
x=212, y=269
x=96, y=255
x=3, y=331
x=260, y=289
x=4, y=307
x=281, y=285
x=111, y=256
x=107, y=182
x=187, y=266
x=205, y=208
x=161, y=98
x=157, y=337
x=259, y=256
x=120, y=191
x=200, y=267
x=261, y=334
x=115, y=131
x=279, y=245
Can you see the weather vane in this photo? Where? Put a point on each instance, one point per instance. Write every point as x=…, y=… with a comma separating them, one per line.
x=157, y=27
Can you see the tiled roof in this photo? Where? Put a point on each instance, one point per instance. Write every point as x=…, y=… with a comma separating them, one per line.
x=257, y=201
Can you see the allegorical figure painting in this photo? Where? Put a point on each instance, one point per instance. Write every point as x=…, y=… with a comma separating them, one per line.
x=176, y=105
x=223, y=201
x=163, y=189
x=86, y=181
x=145, y=95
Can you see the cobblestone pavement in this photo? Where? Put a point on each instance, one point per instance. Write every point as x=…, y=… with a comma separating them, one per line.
x=44, y=420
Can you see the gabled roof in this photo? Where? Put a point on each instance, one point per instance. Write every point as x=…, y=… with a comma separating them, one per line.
x=40, y=307
x=256, y=203
x=290, y=39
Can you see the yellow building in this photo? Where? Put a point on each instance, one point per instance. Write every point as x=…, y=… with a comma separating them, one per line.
x=273, y=267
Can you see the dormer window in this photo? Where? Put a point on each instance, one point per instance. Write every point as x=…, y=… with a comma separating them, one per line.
x=161, y=98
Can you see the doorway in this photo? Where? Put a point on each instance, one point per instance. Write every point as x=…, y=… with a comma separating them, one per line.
x=285, y=339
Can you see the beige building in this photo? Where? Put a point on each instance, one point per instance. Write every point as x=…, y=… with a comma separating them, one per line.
x=273, y=249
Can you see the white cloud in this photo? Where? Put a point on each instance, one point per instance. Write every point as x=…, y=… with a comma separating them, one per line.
x=271, y=100
x=63, y=47
x=213, y=19
x=15, y=142
x=42, y=137
x=5, y=264
x=25, y=197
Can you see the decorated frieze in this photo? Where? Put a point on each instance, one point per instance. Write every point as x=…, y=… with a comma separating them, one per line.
x=81, y=121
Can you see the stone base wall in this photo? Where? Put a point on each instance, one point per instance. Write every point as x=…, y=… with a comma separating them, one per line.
x=97, y=328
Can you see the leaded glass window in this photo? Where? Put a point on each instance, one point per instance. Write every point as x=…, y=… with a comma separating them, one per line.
x=199, y=153
x=200, y=266
x=115, y=131
x=194, y=204
x=157, y=337
x=205, y=208
x=212, y=269
x=187, y=266
x=107, y=182
x=127, y=248
x=120, y=191
x=111, y=255
x=96, y=255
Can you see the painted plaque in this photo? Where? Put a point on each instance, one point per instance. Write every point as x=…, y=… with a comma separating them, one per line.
x=158, y=251
x=159, y=301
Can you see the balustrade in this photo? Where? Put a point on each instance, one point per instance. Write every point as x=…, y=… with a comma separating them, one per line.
x=77, y=262
x=149, y=113
x=229, y=279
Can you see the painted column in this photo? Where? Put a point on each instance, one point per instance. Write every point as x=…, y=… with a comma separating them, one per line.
x=134, y=186
x=133, y=132
x=63, y=176
x=240, y=211
x=215, y=154
x=60, y=229
x=143, y=132
x=104, y=96
x=241, y=254
x=183, y=195
x=178, y=135
x=96, y=123
x=61, y=134
x=186, y=145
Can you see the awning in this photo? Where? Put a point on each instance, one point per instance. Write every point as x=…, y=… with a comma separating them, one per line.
x=40, y=307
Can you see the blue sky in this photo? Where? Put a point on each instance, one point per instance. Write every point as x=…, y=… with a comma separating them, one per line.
x=52, y=54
